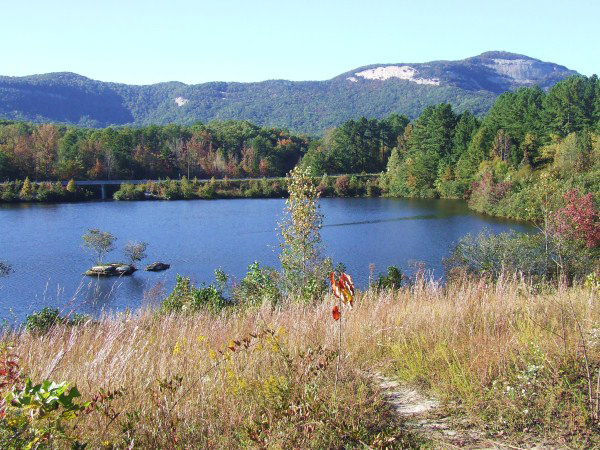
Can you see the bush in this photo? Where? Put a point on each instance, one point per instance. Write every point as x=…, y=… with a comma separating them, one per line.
x=208, y=190
x=342, y=185
x=373, y=189
x=39, y=415
x=10, y=191
x=130, y=192
x=188, y=298
x=259, y=285
x=490, y=254
x=529, y=254
x=40, y=322
x=391, y=280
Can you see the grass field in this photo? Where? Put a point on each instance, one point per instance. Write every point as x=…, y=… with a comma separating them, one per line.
x=506, y=357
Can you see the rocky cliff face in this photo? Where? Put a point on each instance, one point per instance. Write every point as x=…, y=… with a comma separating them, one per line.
x=491, y=71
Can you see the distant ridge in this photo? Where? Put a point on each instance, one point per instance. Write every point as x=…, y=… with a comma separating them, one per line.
x=306, y=106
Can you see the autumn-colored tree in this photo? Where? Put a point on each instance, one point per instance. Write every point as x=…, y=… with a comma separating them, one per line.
x=26, y=192
x=578, y=219
x=301, y=259
x=264, y=168
x=71, y=187
x=24, y=154
x=96, y=171
x=45, y=142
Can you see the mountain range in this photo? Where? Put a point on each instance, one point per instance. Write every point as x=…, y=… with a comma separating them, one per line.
x=302, y=106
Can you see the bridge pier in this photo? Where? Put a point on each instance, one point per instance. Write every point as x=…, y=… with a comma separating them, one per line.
x=103, y=191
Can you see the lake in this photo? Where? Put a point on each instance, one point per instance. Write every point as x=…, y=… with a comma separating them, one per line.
x=43, y=244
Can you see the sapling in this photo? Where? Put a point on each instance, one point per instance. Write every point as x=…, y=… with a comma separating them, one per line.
x=135, y=251
x=99, y=242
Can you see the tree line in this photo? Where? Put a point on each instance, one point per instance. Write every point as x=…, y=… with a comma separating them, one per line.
x=220, y=149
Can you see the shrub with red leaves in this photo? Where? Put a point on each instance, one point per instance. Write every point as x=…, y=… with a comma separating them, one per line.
x=10, y=375
x=578, y=219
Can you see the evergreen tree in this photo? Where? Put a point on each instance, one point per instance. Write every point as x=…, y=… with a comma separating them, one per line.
x=71, y=187
x=570, y=105
x=466, y=127
x=431, y=142
x=26, y=192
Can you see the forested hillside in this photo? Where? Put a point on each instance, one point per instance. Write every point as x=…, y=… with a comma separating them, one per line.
x=530, y=142
x=302, y=106
x=532, y=147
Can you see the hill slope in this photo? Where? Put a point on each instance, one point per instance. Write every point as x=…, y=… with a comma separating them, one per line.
x=308, y=106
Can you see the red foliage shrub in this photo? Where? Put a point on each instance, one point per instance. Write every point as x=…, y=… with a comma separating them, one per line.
x=578, y=219
x=488, y=191
x=342, y=184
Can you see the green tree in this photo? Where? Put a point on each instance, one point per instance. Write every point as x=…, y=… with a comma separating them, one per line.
x=465, y=129
x=26, y=192
x=71, y=187
x=570, y=105
x=517, y=113
x=430, y=144
x=99, y=242
x=301, y=260
x=476, y=153
x=135, y=251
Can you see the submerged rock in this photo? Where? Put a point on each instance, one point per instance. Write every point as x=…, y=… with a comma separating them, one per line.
x=111, y=270
x=157, y=267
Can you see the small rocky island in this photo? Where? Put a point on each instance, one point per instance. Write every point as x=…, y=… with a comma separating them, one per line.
x=111, y=270
x=102, y=242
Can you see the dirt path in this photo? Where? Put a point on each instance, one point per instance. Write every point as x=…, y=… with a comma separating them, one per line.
x=423, y=416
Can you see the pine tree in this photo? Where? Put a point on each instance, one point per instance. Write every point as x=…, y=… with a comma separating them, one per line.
x=71, y=187
x=26, y=192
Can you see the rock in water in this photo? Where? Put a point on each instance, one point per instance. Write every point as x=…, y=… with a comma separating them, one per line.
x=125, y=269
x=157, y=267
x=111, y=270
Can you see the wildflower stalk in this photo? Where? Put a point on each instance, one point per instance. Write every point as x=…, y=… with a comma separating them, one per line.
x=343, y=290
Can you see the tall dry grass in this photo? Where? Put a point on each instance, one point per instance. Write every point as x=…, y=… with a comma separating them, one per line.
x=502, y=354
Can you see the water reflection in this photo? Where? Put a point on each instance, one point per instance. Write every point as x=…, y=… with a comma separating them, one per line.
x=397, y=219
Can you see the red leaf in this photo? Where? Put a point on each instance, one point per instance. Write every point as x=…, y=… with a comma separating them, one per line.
x=336, y=313
x=334, y=286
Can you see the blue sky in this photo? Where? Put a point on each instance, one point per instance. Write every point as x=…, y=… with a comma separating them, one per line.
x=142, y=42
